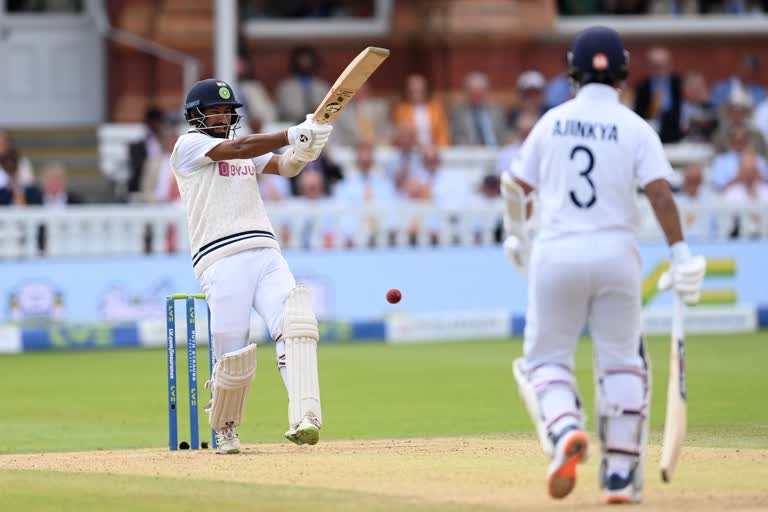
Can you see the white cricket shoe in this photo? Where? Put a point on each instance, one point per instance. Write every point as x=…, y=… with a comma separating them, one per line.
x=620, y=490
x=306, y=432
x=227, y=439
x=570, y=450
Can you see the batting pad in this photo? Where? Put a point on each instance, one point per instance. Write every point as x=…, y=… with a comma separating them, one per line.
x=528, y=394
x=232, y=377
x=301, y=336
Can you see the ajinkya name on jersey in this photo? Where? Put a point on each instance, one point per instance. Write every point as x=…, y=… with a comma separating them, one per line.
x=586, y=130
x=227, y=169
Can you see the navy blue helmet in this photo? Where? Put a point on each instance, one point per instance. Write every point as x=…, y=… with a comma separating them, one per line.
x=211, y=93
x=598, y=55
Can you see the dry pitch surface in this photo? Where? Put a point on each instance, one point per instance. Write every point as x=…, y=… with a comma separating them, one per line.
x=432, y=474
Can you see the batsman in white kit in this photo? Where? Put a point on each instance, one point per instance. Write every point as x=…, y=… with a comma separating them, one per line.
x=237, y=261
x=585, y=159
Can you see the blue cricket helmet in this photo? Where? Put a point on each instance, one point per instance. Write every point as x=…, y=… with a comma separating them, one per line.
x=210, y=93
x=598, y=55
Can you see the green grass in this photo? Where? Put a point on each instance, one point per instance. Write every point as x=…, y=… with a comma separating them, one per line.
x=117, y=399
x=44, y=491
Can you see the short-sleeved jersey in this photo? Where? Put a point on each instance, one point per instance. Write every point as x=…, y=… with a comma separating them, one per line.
x=586, y=158
x=225, y=213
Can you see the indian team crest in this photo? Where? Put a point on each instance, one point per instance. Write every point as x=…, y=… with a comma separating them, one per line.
x=224, y=93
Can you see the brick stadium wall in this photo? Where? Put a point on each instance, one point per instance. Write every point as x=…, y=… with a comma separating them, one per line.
x=493, y=41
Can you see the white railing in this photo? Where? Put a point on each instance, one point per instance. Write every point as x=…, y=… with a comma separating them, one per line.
x=125, y=230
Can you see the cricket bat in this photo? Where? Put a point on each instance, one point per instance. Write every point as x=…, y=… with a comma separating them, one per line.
x=350, y=80
x=676, y=421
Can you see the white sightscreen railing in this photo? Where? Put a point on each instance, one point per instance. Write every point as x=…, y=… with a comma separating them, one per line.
x=125, y=230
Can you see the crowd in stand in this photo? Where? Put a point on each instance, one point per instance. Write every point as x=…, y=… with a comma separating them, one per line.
x=729, y=115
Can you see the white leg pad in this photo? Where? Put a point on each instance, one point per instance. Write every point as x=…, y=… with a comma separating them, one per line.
x=301, y=336
x=232, y=378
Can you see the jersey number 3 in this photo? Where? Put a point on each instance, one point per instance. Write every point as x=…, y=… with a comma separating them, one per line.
x=589, y=203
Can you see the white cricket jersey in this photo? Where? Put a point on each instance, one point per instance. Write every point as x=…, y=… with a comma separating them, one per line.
x=585, y=158
x=225, y=213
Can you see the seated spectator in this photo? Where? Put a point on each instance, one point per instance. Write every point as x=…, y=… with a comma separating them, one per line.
x=14, y=192
x=303, y=90
x=146, y=148
x=273, y=187
x=738, y=112
x=258, y=109
x=158, y=184
x=487, y=193
x=698, y=117
x=423, y=112
x=365, y=188
x=406, y=161
x=658, y=97
x=477, y=121
x=558, y=90
x=725, y=166
x=511, y=154
x=747, y=77
x=55, y=189
x=316, y=231
x=365, y=120
x=749, y=189
x=694, y=192
x=442, y=188
x=25, y=173
x=327, y=167
x=530, y=92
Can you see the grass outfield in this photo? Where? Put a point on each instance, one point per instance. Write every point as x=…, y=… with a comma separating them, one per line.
x=117, y=399
x=427, y=427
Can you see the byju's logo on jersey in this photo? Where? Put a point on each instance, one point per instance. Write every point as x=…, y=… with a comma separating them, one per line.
x=226, y=169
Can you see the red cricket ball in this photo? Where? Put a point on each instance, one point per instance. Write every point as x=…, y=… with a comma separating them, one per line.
x=394, y=296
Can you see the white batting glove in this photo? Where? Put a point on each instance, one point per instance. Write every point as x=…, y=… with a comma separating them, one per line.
x=308, y=133
x=518, y=252
x=686, y=274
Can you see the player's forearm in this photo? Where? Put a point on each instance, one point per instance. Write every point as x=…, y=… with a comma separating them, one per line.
x=663, y=203
x=257, y=144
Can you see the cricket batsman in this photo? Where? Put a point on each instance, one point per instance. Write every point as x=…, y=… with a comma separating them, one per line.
x=237, y=261
x=585, y=159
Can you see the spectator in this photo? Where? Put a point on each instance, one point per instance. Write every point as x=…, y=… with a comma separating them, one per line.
x=258, y=109
x=746, y=77
x=365, y=188
x=25, y=173
x=511, y=154
x=274, y=187
x=365, y=120
x=442, y=188
x=530, y=90
x=658, y=97
x=748, y=190
x=420, y=110
x=316, y=231
x=406, y=160
x=737, y=112
x=558, y=90
x=14, y=192
x=698, y=117
x=327, y=167
x=694, y=192
x=477, y=121
x=303, y=90
x=488, y=193
x=55, y=189
x=158, y=184
x=725, y=166
x=147, y=148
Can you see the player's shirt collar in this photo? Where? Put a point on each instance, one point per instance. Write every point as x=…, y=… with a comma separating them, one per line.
x=598, y=91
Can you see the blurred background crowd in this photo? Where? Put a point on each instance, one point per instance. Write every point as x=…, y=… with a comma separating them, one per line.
x=393, y=148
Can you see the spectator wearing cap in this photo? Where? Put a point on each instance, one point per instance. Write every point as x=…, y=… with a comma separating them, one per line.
x=530, y=91
x=738, y=112
x=422, y=111
x=745, y=77
x=658, y=97
x=476, y=120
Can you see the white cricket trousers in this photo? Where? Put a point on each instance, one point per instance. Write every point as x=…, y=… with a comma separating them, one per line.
x=594, y=277
x=256, y=278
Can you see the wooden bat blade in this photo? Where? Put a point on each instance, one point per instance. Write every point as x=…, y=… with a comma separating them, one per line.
x=676, y=421
x=348, y=83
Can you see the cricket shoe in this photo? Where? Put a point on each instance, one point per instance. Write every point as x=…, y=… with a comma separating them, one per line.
x=570, y=450
x=227, y=439
x=306, y=432
x=620, y=490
